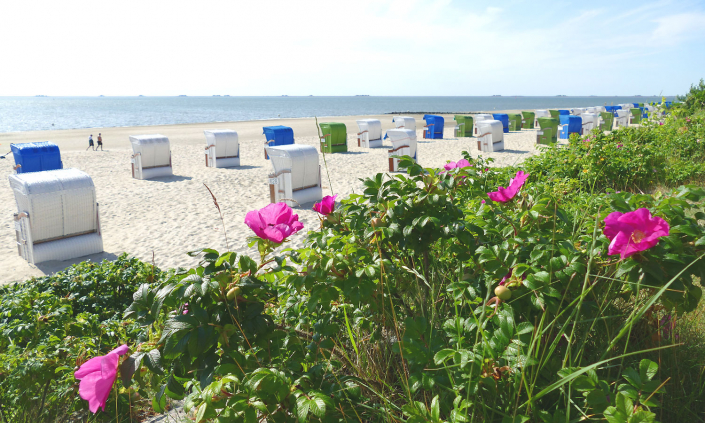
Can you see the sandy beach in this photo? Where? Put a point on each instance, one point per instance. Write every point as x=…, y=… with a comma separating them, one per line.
x=164, y=218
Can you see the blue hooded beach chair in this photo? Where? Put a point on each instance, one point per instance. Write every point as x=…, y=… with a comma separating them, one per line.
x=570, y=125
x=36, y=156
x=504, y=118
x=278, y=135
x=434, y=127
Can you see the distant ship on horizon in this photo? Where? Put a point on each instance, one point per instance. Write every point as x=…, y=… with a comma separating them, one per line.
x=40, y=95
x=183, y=95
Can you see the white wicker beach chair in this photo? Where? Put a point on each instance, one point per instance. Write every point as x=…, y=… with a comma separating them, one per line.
x=152, y=156
x=590, y=122
x=297, y=174
x=57, y=215
x=370, y=134
x=540, y=113
x=491, y=136
x=577, y=111
x=477, y=119
x=623, y=118
x=405, y=122
x=404, y=143
x=222, y=148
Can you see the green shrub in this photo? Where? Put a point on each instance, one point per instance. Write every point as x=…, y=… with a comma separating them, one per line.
x=629, y=159
x=51, y=325
x=397, y=319
x=694, y=101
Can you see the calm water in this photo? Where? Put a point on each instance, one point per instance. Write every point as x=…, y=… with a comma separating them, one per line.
x=40, y=113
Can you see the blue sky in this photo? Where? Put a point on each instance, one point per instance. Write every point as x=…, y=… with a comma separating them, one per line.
x=335, y=47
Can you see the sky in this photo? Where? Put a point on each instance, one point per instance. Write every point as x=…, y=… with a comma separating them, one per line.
x=340, y=47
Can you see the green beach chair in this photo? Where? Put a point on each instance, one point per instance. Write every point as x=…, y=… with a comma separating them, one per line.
x=636, y=115
x=607, y=121
x=464, y=124
x=334, y=137
x=555, y=114
x=514, y=121
x=549, y=123
x=528, y=120
x=544, y=136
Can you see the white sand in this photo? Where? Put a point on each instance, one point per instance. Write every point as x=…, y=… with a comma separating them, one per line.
x=167, y=217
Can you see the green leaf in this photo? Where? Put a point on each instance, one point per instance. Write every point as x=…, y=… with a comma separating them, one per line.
x=647, y=369
x=442, y=355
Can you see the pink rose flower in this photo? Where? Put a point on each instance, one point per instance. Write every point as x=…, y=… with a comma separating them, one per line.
x=97, y=376
x=457, y=165
x=275, y=222
x=632, y=232
x=483, y=201
x=326, y=205
x=503, y=195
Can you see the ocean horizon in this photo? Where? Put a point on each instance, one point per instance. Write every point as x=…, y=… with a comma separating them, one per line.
x=19, y=114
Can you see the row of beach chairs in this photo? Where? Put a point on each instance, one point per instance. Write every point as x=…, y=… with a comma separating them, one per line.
x=58, y=215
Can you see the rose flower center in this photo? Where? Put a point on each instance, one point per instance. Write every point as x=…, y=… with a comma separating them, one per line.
x=637, y=236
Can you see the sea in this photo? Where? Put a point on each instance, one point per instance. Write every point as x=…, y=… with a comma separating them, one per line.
x=47, y=113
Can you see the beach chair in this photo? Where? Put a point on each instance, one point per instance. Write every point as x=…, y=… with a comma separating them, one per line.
x=151, y=156
x=549, y=123
x=370, y=134
x=636, y=115
x=607, y=121
x=464, y=128
x=334, y=137
x=277, y=135
x=504, y=118
x=57, y=215
x=539, y=113
x=528, y=120
x=622, y=119
x=478, y=118
x=544, y=136
x=296, y=179
x=406, y=122
x=491, y=136
x=404, y=143
x=555, y=113
x=563, y=112
x=577, y=111
x=222, y=148
x=514, y=121
x=434, y=127
x=570, y=125
x=590, y=122
x=36, y=157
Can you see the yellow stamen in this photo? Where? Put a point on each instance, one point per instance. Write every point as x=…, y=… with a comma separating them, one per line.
x=637, y=236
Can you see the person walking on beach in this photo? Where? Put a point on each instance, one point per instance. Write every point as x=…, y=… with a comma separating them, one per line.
x=90, y=143
x=100, y=143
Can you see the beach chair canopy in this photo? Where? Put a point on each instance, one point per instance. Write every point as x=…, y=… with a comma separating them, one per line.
x=225, y=142
x=338, y=132
x=504, y=118
x=153, y=149
x=406, y=122
x=542, y=113
x=278, y=135
x=493, y=127
x=574, y=123
x=36, y=156
x=403, y=136
x=301, y=160
x=577, y=111
x=60, y=203
x=592, y=118
x=372, y=126
x=562, y=112
x=435, y=131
